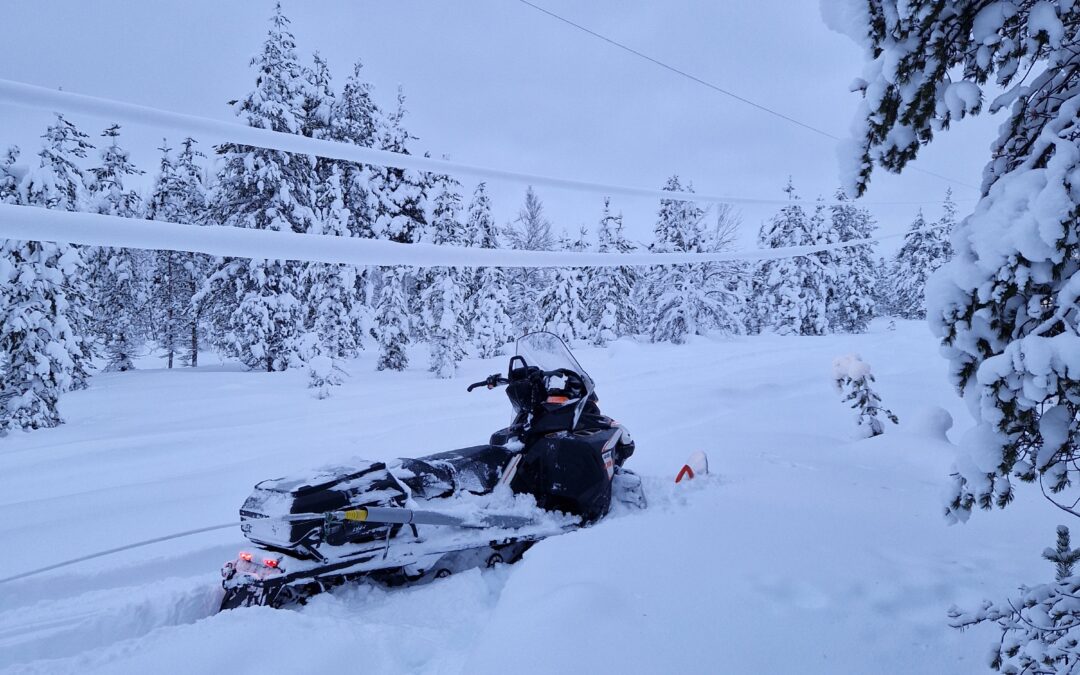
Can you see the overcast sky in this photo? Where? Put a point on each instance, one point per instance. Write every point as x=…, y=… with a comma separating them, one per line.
x=494, y=82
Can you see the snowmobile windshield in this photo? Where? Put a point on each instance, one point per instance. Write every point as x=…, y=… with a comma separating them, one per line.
x=548, y=352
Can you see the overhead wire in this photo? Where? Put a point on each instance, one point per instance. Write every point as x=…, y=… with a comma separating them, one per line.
x=34, y=96
x=715, y=87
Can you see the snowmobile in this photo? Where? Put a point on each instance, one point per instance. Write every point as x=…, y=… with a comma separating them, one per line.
x=556, y=468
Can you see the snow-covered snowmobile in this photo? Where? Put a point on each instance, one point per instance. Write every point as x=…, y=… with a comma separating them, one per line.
x=556, y=468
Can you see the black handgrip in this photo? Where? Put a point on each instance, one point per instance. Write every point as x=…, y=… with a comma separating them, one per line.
x=491, y=382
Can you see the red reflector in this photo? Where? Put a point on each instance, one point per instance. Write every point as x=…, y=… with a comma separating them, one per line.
x=685, y=472
x=245, y=556
x=270, y=562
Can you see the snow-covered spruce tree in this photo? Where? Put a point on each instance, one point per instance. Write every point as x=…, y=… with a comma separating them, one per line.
x=489, y=298
x=852, y=378
x=178, y=196
x=391, y=328
x=57, y=182
x=1038, y=628
x=883, y=287
x=791, y=292
x=118, y=276
x=400, y=195
x=400, y=199
x=851, y=302
x=1005, y=307
x=170, y=305
x=354, y=118
x=443, y=303
x=9, y=178
x=925, y=249
x=330, y=291
x=259, y=308
x=687, y=299
x=611, y=289
x=530, y=231
x=38, y=345
x=562, y=304
x=197, y=266
x=323, y=372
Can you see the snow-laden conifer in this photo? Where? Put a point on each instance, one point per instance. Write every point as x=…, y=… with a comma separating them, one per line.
x=530, y=231
x=39, y=349
x=9, y=178
x=610, y=292
x=391, y=329
x=443, y=303
x=259, y=306
x=330, y=290
x=561, y=305
x=57, y=182
x=489, y=324
x=926, y=247
x=791, y=292
x=852, y=378
x=400, y=195
x=854, y=286
x=687, y=299
x=118, y=275
x=178, y=196
x=355, y=118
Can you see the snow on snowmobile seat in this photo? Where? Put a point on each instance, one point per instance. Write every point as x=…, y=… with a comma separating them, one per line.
x=326, y=489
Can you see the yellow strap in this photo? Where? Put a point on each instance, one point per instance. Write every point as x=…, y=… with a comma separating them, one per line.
x=356, y=514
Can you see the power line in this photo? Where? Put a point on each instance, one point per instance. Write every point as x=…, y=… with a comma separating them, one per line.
x=715, y=87
x=31, y=223
x=33, y=96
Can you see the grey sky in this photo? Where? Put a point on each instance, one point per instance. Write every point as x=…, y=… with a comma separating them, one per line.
x=493, y=82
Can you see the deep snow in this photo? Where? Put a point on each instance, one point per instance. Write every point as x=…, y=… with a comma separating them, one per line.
x=805, y=551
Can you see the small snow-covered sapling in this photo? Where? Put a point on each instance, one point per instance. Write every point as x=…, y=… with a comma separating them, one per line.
x=852, y=378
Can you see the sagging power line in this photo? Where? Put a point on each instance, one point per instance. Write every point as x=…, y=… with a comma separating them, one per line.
x=32, y=96
x=716, y=87
x=93, y=229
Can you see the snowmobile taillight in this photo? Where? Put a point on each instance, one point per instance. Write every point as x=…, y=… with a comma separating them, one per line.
x=270, y=562
x=245, y=556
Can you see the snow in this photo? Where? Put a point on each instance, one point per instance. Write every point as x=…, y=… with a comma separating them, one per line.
x=930, y=421
x=962, y=97
x=1044, y=18
x=850, y=366
x=801, y=552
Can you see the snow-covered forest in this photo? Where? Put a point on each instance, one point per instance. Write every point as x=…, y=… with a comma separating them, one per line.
x=860, y=367
x=68, y=310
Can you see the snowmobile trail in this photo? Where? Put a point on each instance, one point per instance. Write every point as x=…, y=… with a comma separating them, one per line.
x=71, y=625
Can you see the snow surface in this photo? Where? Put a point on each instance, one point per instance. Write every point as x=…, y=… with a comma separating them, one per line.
x=802, y=551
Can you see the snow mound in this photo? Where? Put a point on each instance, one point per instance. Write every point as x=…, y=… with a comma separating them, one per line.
x=930, y=421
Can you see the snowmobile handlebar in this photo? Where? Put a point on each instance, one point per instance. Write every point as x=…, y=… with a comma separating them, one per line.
x=491, y=382
x=498, y=380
